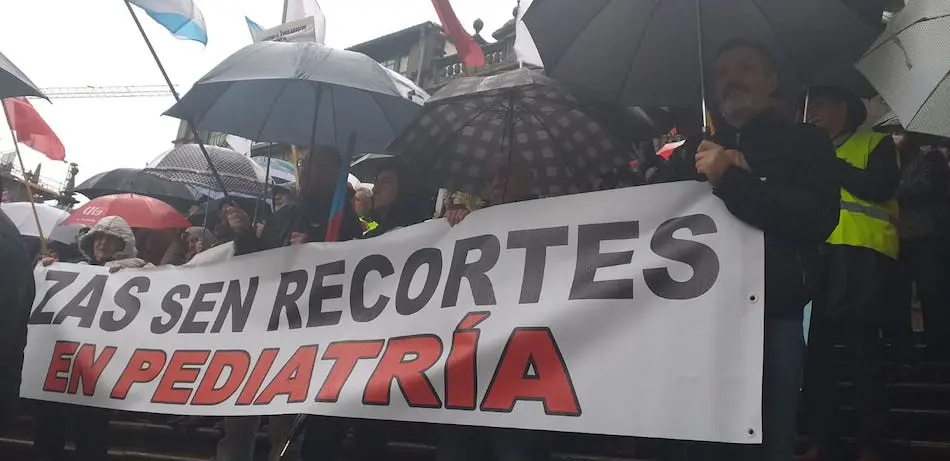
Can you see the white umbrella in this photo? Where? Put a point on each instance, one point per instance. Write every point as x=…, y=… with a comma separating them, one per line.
x=21, y=213
x=909, y=65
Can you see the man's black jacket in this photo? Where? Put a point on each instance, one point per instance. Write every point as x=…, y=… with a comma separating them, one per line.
x=792, y=194
x=306, y=216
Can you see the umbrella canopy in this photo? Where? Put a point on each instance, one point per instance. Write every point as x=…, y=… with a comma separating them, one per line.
x=138, y=210
x=281, y=171
x=21, y=213
x=186, y=164
x=647, y=52
x=136, y=181
x=909, y=65
x=14, y=83
x=303, y=94
x=519, y=114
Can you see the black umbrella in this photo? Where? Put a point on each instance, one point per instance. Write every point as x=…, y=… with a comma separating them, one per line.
x=14, y=83
x=519, y=114
x=303, y=94
x=135, y=181
x=651, y=52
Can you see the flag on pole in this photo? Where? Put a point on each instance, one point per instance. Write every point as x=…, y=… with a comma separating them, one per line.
x=300, y=9
x=181, y=17
x=524, y=46
x=253, y=26
x=468, y=51
x=32, y=131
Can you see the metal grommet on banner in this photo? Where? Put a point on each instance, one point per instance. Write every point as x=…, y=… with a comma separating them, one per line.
x=750, y=432
x=753, y=298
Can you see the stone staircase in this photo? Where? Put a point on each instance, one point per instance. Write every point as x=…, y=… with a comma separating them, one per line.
x=920, y=422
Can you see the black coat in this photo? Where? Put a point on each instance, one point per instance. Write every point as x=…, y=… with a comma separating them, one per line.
x=17, y=290
x=792, y=195
x=306, y=216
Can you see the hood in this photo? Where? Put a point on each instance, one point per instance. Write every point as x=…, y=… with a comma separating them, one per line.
x=110, y=225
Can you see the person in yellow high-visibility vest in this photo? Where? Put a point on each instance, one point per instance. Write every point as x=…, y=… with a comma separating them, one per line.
x=859, y=265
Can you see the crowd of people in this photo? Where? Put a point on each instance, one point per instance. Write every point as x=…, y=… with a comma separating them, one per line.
x=854, y=223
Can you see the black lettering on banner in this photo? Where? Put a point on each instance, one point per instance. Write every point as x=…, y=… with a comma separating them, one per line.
x=475, y=272
x=702, y=259
x=358, y=309
x=589, y=259
x=286, y=300
x=198, y=305
x=535, y=243
x=240, y=306
x=431, y=257
x=320, y=293
x=171, y=307
x=61, y=280
x=82, y=309
x=125, y=300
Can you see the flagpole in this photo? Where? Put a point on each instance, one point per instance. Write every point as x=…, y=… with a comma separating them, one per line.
x=161, y=68
x=283, y=16
x=26, y=181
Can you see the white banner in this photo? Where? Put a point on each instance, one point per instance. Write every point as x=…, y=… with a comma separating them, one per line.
x=634, y=312
x=301, y=30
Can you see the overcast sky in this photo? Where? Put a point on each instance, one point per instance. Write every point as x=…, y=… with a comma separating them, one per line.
x=71, y=43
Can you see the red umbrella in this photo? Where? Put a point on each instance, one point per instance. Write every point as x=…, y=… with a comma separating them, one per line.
x=137, y=210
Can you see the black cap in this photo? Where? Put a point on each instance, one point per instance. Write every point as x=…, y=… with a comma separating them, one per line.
x=857, y=112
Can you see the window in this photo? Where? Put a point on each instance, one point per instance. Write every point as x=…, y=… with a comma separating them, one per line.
x=399, y=64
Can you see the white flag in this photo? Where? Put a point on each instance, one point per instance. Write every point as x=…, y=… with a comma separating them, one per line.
x=525, y=49
x=299, y=9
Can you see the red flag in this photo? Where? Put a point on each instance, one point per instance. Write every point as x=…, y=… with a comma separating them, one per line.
x=468, y=51
x=32, y=130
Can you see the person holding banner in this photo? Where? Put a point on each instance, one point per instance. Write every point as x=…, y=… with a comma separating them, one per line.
x=109, y=243
x=775, y=176
x=397, y=200
x=296, y=223
x=513, y=181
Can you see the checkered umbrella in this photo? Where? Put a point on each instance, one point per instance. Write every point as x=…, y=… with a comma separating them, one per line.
x=186, y=164
x=518, y=114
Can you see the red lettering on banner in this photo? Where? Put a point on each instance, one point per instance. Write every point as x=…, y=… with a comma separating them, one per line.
x=144, y=366
x=256, y=380
x=293, y=380
x=531, y=368
x=57, y=375
x=345, y=355
x=183, y=368
x=406, y=360
x=237, y=363
x=461, y=368
x=87, y=368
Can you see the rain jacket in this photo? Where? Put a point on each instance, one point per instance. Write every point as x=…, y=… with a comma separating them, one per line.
x=117, y=227
x=17, y=290
x=792, y=194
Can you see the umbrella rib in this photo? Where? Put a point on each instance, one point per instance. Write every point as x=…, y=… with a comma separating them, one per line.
x=270, y=109
x=636, y=51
